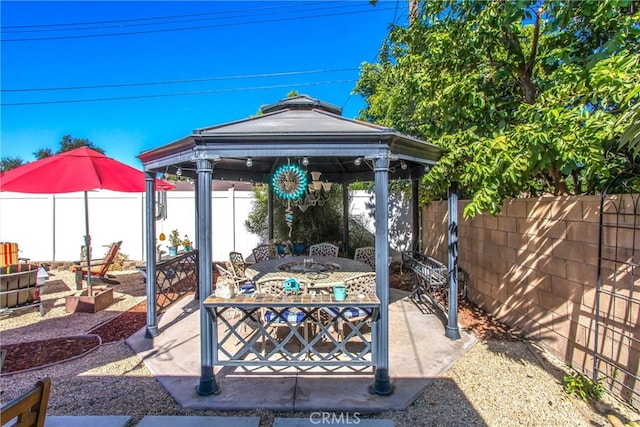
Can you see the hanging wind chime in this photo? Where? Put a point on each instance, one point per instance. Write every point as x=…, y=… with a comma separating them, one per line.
x=289, y=183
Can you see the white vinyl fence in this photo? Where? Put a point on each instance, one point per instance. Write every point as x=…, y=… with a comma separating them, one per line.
x=52, y=227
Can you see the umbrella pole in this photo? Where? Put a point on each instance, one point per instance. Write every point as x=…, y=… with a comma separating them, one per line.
x=87, y=243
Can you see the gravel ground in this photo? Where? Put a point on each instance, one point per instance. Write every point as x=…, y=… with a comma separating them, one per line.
x=497, y=383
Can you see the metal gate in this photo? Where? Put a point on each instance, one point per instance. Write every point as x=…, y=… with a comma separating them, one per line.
x=617, y=333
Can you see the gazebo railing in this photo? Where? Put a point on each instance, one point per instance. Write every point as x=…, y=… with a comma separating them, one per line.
x=175, y=277
x=302, y=331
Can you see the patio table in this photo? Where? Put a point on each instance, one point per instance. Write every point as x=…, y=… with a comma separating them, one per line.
x=322, y=273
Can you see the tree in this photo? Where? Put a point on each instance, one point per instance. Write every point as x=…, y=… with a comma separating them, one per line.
x=42, y=153
x=69, y=143
x=8, y=163
x=317, y=224
x=525, y=97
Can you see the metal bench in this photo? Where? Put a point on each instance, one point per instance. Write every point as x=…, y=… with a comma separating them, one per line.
x=430, y=278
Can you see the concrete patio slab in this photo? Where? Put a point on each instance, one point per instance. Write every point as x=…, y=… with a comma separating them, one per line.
x=197, y=421
x=86, y=420
x=419, y=351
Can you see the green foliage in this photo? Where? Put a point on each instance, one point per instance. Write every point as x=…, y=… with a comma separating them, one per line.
x=8, y=163
x=631, y=122
x=317, y=224
x=359, y=235
x=256, y=222
x=43, y=153
x=525, y=98
x=578, y=384
x=69, y=143
x=174, y=238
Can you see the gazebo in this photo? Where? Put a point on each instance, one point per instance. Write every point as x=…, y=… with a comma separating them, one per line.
x=299, y=130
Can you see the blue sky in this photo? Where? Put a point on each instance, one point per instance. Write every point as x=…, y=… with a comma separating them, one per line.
x=244, y=54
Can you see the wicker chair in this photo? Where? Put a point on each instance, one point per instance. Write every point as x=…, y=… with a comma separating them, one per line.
x=263, y=253
x=273, y=319
x=237, y=264
x=228, y=274
x=367, y=255
x=323, y=249
x=362, y=284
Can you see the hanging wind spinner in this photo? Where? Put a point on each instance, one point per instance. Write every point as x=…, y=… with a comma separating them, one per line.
x=289, y=183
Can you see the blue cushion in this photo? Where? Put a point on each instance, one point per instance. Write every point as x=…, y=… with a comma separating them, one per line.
x=293, y=316
x=348, y=312
x=247, y=288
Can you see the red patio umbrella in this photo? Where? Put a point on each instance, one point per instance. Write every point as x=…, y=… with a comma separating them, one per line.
x=82, y=169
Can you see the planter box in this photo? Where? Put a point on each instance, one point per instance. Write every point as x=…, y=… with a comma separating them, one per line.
x=85, y=303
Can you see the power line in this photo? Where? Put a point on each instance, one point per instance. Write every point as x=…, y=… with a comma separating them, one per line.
x=164, y=95
x=204, y=79
x=5, y=27
x=198, y=27
x=218, y=16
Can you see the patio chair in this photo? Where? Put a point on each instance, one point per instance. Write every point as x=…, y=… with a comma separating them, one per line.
x=263, y=253
x=362, y=284
x=228, y=274
x=237, y=264
x=282, y=318
x=366, y=254
x=30, y=409
x=323, y=249
x=98, y=267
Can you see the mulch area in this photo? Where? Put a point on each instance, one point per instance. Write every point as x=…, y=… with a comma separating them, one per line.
x=29, y=355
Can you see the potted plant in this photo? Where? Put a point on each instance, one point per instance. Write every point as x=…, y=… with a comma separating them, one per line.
x=186, y=242
x=174, y=241
x=159, y=251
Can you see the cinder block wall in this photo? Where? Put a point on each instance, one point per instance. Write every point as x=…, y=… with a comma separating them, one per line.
x=535, y=267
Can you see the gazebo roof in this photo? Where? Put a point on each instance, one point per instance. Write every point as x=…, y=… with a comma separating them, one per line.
x=288, y=131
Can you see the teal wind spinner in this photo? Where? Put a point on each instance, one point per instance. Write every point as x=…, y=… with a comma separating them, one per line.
x=289, y=183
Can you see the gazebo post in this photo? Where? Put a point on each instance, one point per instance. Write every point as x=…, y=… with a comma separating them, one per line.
x=270, y=212
x=197, y=219
x=382, y=383
x=345, y=217
x=415, y=214
x=452, y=330
x=150, y=219
x=195, y=192
x=208, y=345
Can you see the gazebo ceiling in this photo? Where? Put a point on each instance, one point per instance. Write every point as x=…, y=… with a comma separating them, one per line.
x=289, y=131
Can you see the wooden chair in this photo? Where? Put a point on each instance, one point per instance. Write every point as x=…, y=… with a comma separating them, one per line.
x=99, y=267
x=30, y=409
x=263, y=253
x=366, y=254
x=323, y=249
